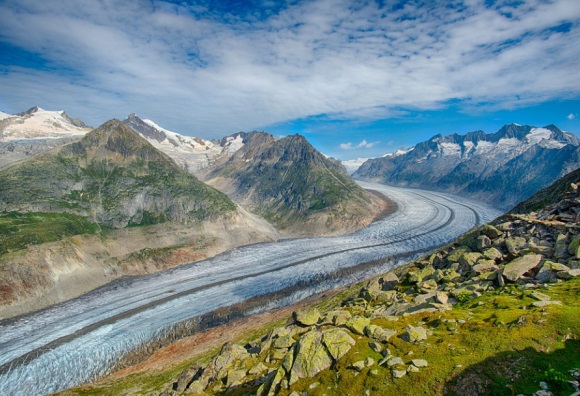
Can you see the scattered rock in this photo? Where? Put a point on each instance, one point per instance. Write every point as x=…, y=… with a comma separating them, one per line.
x=520, y=266
x=414, y=334
x=258, y=369
x=235, y=377
x=420, y=363
x=421, y=275
x=358, y=366
x=490, y=231
x=376, y=347
x=412, y=369
x=398, y=373
x=310, y=357
x=307, y=317
x=483, y=242
x=484, y=266
x=561, y=247
x=549, y=269
x=338, y=342
x=541, y=304
x=453, y=257
x=515, y=244
x=283, y=342
x=394, y=361
x=369, y=362
x=379, y=333
x=338, y=317
x=540, y=296
x=469, y=259
x=569, y=274
x=492, y=254
x=357, y=324
x=390, y=281
x=442, y=297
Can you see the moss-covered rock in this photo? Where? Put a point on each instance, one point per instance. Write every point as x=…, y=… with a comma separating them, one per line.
x=307, y=317
x=415, y=333
x=379, y=333
x=515, y=244
x=338, y=342
x=357, y=324
x=310, y=357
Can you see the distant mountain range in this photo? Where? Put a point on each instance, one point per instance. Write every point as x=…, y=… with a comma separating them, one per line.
x=191, y=153
x=501, y=168
x=37, y=123
x=34, y=131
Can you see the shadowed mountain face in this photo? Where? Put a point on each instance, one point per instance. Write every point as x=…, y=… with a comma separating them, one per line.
x=288, y=181
x=112, y=177
x=502, y=168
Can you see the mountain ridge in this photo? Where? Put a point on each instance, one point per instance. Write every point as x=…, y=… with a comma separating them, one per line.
x=293, y=185
x=502, y=168
x=75, y=217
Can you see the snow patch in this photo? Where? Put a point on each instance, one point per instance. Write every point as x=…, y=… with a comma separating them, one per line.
x=233, y=144
x=353, y=165
x=551, y=144
x=4, y=116
x=536, y=135
x=401, y=151
x=42, y=124
x=450, y=149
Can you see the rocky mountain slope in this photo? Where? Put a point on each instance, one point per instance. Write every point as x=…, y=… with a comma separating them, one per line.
x=501, y=168
x=191, y=153
x=107, y=205
x=112, y=177
x=294, y=186
x=493, y=313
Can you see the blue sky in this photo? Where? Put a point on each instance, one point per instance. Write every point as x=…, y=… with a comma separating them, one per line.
x=357, y=78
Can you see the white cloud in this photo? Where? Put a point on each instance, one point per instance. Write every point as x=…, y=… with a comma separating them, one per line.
x=199, y=73
x=571, y=116
x=362, y=145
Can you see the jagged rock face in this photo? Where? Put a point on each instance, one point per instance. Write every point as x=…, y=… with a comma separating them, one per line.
x=286, y=180
x=502, y=168
x=112, y=177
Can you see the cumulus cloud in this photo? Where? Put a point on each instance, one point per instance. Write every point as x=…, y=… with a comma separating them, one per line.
x=571, y=116
x=199, y=71
x=362, y=145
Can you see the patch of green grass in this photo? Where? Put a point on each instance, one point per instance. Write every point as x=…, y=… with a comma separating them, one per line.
x=19, y=230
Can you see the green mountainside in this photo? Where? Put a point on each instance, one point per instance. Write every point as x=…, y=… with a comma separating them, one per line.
x=112, y=177
x=108, y=205
x=494, y=313
x=288, y=181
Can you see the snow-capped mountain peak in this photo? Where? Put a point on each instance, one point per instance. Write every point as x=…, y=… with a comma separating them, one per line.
x=37, y=123
x=191, y=153
x=501, y=167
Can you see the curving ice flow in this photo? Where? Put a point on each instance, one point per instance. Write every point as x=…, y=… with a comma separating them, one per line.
x=79, y=340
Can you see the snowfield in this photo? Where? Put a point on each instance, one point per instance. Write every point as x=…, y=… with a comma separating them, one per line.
x=80, y=340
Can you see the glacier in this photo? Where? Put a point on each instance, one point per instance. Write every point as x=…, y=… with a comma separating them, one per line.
x=82, y=339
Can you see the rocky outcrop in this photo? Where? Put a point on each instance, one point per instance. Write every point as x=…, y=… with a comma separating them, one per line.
x=506, y=257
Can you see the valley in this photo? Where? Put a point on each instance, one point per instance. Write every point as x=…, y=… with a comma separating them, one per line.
x=79, y=340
